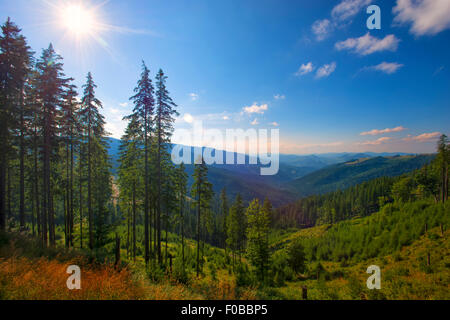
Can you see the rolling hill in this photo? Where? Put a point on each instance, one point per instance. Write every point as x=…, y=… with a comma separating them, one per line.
x=350, y=173
x=299, y=175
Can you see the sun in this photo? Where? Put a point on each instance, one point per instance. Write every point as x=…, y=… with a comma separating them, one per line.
x=78, y=20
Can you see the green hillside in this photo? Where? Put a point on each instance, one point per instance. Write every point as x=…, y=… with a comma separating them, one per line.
x=344, y=175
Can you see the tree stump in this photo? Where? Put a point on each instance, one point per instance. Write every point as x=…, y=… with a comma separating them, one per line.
x=305, y=293
x=117, y=262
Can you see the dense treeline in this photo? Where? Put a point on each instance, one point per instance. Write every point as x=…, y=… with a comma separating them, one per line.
x=364, y=199
x=360, y=200
x=54, y=162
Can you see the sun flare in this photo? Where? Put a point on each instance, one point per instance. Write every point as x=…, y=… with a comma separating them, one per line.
x=78, y=20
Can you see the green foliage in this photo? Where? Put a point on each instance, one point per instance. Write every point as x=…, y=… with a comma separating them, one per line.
x=402, y=190
x=259, y=219
x=243, y=275
x=236, y=226
x=358, y=201
x=202, y=194
x=395, y=226
x=296, y=256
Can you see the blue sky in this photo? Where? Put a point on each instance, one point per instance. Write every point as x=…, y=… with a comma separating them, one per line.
x=312, y=69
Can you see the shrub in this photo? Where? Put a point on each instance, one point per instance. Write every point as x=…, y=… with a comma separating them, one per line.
x=243, y=276
x=296, y=256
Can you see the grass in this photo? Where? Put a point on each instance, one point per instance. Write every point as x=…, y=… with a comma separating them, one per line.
x=29, y=272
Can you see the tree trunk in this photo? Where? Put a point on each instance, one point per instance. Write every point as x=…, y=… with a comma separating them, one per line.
x=146, y=200
x=198, y=228
x=90, y=214
x=52, y=220
x=46, y=182
x=66, y=236
x=10, y=213
x=134, y=222
x=117, y=262
x=158, y=205
x=67, y=196
x=305, y=293
x=22, y=171
x=36, y=183
x=81, y=199
x=71, y=218
x=3, y=144
x=182, y=229
x=128, y=232
x=33, y=221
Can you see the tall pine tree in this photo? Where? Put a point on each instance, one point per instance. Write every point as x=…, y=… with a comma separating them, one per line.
x=164, y=119
x=202, y=194
x=144, y=105
x=94, y=124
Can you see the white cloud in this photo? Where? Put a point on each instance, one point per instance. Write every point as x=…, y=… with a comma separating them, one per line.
x=326, y=70
x=347, y=9
x=425, y=137
x=375, y=132
x=275, y=124
x=279, y=97
x=427, y=17
x=320, y=145
x=254, y=122
x=375, y=142
x=367, y=44
x=188, y=118
x=305, y=69
x=114, y=111
x=226, y=118
x=124, y=104
x=256, y=109
x=321, y=29
x=340, y=14
x=386, y=67
x=194, y=96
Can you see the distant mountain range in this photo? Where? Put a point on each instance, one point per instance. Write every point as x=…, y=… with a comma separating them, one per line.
x=301, y=175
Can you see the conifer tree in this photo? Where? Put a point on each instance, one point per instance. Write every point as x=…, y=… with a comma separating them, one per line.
x=181, y=191
x=143, y=112
x=94, y=124
x=202, y=194
x=164, y=118
x=34, y=106
x=236, y=227
x=168, y=192
x=224, y=211
x=443, y=149
x=15, y=62
x=50, y=88
x=259, y=219
x=130, y=179
x=69, y=129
